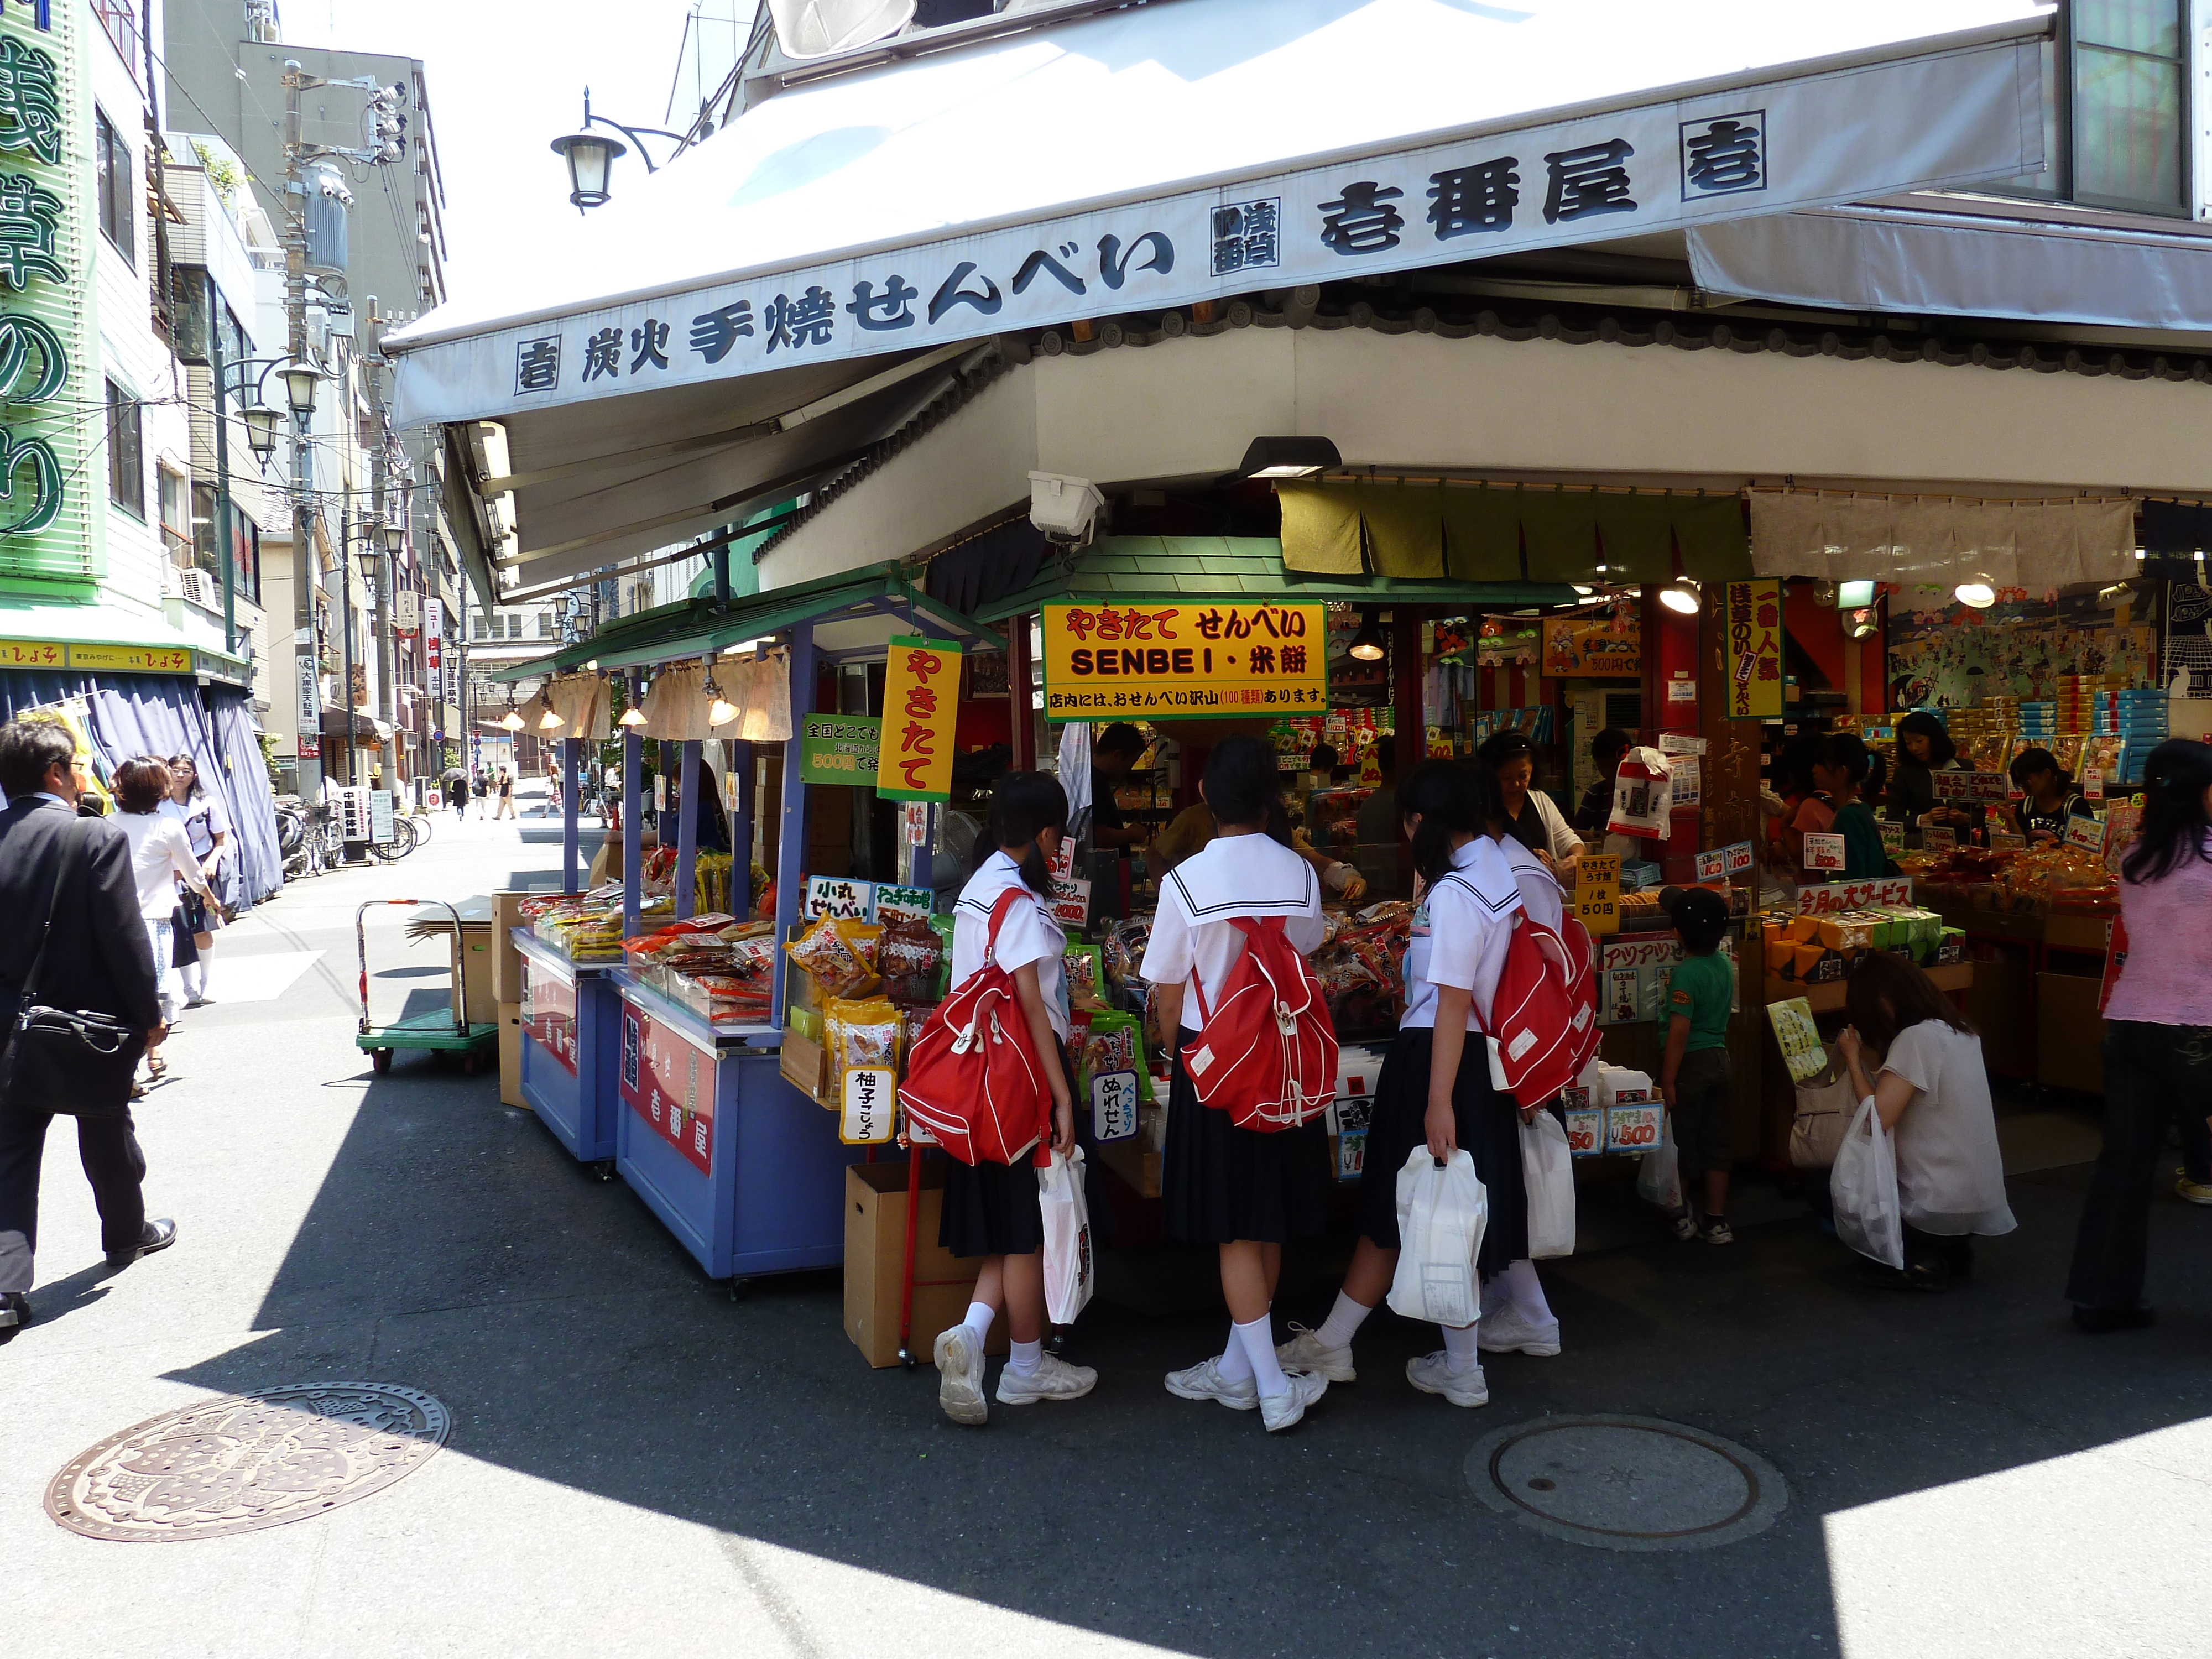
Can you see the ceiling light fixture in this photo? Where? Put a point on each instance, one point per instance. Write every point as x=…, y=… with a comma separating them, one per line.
x=1367, y=643
x=1975, y=596
x=1855, y=595
x=1680, y=597
x=720, y=711
x=1289, y=458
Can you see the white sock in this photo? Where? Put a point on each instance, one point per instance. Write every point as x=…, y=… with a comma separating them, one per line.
x=1258, y=1342
x=1460, y=1351
x=1342, y=1323
x=1526, y=1292
x=979, y=1319
x=1021, y=1358
x=1233, y=1365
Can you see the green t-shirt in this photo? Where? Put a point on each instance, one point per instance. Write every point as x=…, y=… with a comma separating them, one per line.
x=1863, y=853
x=1700, y=990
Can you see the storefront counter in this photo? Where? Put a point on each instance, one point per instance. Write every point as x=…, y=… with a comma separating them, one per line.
x=568, y=1045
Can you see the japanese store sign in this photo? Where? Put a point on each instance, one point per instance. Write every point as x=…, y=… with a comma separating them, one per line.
x=1169, y=661
x=1751, y=651
x=1834, y=898
x=1587, y=646
x=921, y=706
x=549, y=1013
x=670, y=1084
x=132, y=658
x=1597, y=892
x=838, y=748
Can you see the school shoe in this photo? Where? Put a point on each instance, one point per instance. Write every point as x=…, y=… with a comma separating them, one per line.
x=1053, y=1379
x=1304, y=1352
x=1300, y=1390
x=1715, y=1230
x=1506, y=1332
x=1205, y=1382
x=2197, y=1192
x=1433, y=1374
x=960, y=1374
x=1683, y=1223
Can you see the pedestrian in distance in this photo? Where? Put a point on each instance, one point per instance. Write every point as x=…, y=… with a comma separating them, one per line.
x=1435, y=1090
x=480, y=788
x=207, y=826
x=992, y=1210
x=1246, y=1191
x=160, y=858
x=2158, y=1032
x=457, y=791
x=79, y=944
x=1695, y=1077
x=506, y=793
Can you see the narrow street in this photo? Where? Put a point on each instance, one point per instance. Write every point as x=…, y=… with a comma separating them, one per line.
x=641, y=1465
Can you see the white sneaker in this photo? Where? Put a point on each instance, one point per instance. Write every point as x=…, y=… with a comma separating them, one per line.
x=1053, y=1379
x=1301, y=1389
x=1433, y=1374
x=1205, y=1382
x=1304, y=1352
x=960, y=1369
x=1507, y=1332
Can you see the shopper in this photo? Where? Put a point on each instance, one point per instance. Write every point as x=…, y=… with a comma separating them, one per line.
x=1435, y=1088
x=1923, y=748
x=1793, y=787
x=160, y=857
x=506, y=793
x=2049, y=797
x=1932, y=1094
x=94, y=958
x=480, y=788
x=457, y=791
x=1845, y=774
x=1248, y=1192
x=1531, y=817
x=1695, y=1077
x=207, y=826
x=2158, y=1031
x=992, y=1210
x=1596, y=809
x=1116, y=752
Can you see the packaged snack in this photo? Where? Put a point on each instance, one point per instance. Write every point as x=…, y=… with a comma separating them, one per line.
x=942, y=927
x=911, y=956
x=861, y=1033
x=840, y=954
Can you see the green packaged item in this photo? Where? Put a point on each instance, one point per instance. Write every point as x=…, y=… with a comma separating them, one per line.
x=943, y=926
x=1083, y=966
x=807, y=1021
x=1110, y=1042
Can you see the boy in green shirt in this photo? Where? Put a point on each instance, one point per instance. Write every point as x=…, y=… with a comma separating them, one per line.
x=1695, y=1079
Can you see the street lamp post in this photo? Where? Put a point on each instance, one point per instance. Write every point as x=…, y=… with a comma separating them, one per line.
x=590, y=156
x=260, y=436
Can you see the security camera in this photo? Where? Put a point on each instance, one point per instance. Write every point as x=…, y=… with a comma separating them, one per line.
x=1065, y=508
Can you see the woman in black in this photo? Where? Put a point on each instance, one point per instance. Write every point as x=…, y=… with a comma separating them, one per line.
x=1923, y=748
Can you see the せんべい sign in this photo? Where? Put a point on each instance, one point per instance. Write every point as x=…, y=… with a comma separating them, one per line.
x=1170, y=661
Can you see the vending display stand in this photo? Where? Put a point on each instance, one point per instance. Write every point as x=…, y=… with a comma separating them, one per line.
x=569, y=1032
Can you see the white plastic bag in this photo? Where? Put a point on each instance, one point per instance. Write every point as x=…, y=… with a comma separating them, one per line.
x=1863, y=1185
x=1548, y=1169
x=1659, y=1177
x=1441, y=1217
x=1068, y=1278
x=1642, y=794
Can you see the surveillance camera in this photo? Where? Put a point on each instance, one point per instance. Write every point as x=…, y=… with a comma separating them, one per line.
x=1065, y=508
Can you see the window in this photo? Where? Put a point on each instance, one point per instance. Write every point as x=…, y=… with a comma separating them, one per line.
x=2116, y=116
x=176, y=517
x=119, y=20
x=115, y=181
x=126, y=459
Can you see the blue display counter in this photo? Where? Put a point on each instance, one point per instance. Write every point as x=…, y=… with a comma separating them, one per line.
x=744, y=1169
x=570, y=1040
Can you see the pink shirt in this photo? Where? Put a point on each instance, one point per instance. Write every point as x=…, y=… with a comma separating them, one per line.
x=2168, y=977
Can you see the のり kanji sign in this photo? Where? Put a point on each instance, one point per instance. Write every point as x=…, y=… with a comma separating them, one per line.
x=921, y=704
x=1751, y=651
x=1174, y=661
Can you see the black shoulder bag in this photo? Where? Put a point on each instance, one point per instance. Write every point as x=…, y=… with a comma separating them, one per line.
x=68, y=1061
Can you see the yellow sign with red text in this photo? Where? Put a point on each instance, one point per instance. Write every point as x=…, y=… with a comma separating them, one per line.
x=1177, y=661
x=921, y=706
x=1751, y=650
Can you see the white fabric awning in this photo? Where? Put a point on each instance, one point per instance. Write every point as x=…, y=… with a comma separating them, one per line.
x=1194, y=149
x=1959, y=265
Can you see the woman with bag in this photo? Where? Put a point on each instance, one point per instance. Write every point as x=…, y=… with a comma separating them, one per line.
x=160, y=857
x=1248, y=1191
x=207, y=827
x=992, y=1210
x=1435, y=1090
x=1932, y=1095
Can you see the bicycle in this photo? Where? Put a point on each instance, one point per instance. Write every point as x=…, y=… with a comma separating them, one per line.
x=405, y=837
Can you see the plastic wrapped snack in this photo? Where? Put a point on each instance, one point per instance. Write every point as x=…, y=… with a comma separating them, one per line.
x=861, y=1033
x=909, y=956
x=840, y=954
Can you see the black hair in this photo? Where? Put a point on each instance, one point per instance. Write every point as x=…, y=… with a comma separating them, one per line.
x=2027, y=763
x=1241, y=787
x=1887, y=995
x=1509, y=744
x=1386, y=754
x=1610, y=745
x=1444, y=795
x=2174, y=823
x=1942, y=751
x=1024, y=805
x=1792, y=762
x=1121, y=739
x=1846, y=752
x=1323, y=758
x=1700, y=917
x=28, y=751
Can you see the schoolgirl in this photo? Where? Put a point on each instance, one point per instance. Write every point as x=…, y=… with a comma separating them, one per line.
x=991, y=1210
x=1434, y=1089
x=1246, y=1191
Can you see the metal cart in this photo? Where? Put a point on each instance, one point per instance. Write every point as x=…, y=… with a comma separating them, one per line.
x=446, y=1033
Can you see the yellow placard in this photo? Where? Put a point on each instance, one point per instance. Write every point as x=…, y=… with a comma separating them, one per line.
x=1597, y=892
x=1591, y=647
x=921, y=706
x=132, y=658
x=32, y=653
x=1181, y=661
x=1751, y=651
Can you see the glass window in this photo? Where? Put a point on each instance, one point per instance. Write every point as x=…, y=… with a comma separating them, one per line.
x=126, y=461
x=2115, y=120
x=206, y=509
x=176, y=517
x=116, y=181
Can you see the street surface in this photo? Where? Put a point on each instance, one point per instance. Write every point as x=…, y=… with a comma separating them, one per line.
x=640, y=1465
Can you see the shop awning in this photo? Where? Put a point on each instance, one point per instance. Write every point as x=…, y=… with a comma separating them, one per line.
x=97, y=639
x=367, y=728
x=1151, y=158
x=1962, y=265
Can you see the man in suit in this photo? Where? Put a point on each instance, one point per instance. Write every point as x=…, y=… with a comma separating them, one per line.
x=97, y=962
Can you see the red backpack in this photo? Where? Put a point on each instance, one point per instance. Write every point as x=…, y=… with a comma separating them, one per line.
x=972, y=1077
x=1543, y=1017
x=1267, y=1055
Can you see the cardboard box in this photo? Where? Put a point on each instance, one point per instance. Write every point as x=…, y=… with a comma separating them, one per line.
x=806, y=1066
x=875, y=1241
x=509, y=1015
x=506, y=960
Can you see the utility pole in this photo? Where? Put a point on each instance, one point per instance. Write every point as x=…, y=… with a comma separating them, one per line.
x=304, y=579
x=383, y=649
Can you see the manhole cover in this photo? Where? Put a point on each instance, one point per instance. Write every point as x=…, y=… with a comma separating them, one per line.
x=1626, y=1483
x=248, y=1461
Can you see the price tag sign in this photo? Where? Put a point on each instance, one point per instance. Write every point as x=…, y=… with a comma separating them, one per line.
x=2085, y=833
x=1741, y=857
x=2093, y=784
x=1942, y=839
x=1973, y=786
x=1892, y=836
x=1585, y=1130
x=1824, y=853
x=1682, y=691
x=1071, y=903
x=1114, y=1106
x=1597, y=892
x=839, y=897
x=1063, y=867
x=1632, y=1126
x=903, y=904
x=1713, y=866
x=868, y=1099
x=730, y=790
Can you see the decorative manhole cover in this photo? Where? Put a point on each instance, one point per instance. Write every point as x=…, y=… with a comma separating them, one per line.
x=248, y=1461
x=1626, y=1483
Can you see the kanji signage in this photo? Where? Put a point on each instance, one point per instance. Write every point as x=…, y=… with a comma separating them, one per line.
x=549, y=1013
x=838, y=748
x=1588, y=647
x=921, y=706
x=1751, y=650
x=1172, y=661
x=132, y=658
x=667, y=1081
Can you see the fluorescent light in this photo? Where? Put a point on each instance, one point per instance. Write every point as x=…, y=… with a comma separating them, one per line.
x=1975, y=596
x=1854, y=596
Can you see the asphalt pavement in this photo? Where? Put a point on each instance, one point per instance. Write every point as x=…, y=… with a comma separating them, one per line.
x=641, y=1464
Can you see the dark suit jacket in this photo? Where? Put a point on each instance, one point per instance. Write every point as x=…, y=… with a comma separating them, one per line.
x=98, y=961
